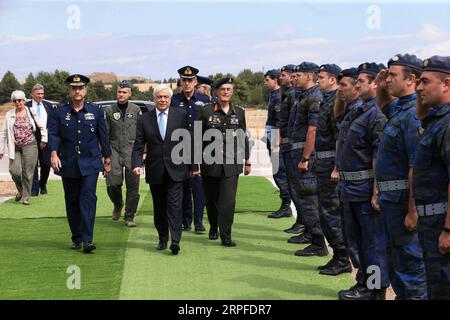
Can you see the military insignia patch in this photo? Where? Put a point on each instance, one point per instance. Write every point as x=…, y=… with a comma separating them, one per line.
x=129, y=115
x=188, y=71
x=234, y=120
x=199, y=103
x=76, y=79
x=395, y=58
x=89, y=116
x=92, y=129
x=116, y=115
x=425, y=62
x=68, y=117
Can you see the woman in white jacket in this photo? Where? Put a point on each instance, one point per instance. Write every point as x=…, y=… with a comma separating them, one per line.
x=18, y=136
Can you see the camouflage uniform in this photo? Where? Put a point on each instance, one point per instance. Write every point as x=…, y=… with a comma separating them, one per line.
x=359, y=136
x=430, y=187
x=325, y=146
x=305, y=183
x=395, y=158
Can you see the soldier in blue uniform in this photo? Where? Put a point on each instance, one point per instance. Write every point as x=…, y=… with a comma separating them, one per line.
x=204, y=86
x=80, y=149
x=431, y=174
x=289, y=96
x=394, y=175
x=359, y=136
x=330, y=211
x=302, y=157
x=272, y=82
x=191, y=102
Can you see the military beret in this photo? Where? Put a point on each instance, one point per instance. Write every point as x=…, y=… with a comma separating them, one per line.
x=288, y=68
x=204, y=80
x=124, y=84
x=437, y=64
x=331, y=69
x=187, y=72
x=223, y=81
x=77, y=80
x=407, y=60
x=273, y=73
x=350, y=72
x=307, y=67
x=370, y=68
x=381, y=66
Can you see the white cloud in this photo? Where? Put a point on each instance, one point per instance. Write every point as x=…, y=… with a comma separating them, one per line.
x=289, y=44
x=431, y=32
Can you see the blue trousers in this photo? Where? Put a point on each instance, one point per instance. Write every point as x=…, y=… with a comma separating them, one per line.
x=406, y=263
x=81, y=205
x=279, y=173
x=437, y=266
x=366, y=240
x=291, y=175
x=193, y=192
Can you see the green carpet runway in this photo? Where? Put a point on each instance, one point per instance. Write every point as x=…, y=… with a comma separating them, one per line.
x=35, y=254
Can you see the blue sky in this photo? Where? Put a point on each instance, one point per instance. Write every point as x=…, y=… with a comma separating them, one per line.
x=153, y=38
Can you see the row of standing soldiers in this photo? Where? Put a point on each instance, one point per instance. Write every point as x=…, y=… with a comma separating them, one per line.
x=364, y=155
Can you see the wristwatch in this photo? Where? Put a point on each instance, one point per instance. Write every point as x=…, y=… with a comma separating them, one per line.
x=304, y=159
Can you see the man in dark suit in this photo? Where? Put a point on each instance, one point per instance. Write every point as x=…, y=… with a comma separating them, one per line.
x=80, y=149
x=164, y=172
x=43, y=109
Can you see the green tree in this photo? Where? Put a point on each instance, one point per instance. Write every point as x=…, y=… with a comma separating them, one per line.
x=30, y=81
x=8, y=84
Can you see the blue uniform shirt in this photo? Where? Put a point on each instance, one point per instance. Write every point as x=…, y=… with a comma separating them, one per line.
x=80, y=139
x=274, y=108
x=191, y=106
x=432, y=160
x=306, y=113
x=359, y=137
x=292, y=114
x=397, y=147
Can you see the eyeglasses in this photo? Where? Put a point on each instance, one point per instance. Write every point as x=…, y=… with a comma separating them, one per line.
x=18, y=100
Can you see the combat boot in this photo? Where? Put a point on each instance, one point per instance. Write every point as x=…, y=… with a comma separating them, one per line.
x=297, y=227
x=339, y=264
x=316, y=248
x=284, y=211
x=303, y=238
x=357, y=292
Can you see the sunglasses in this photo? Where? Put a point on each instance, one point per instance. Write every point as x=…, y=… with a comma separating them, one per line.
x=18, y=100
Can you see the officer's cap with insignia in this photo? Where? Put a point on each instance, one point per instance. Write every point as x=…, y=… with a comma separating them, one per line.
x=370, y=68
x=350, y=72
x=204, y=80
x=223, y=81
x=307, y=67
x=77, y=80
x=437, y=64
x=332, y=69
x=407, y=60
x=188, y=72
x=124, y=84
x=275, y=73
x=289, y=68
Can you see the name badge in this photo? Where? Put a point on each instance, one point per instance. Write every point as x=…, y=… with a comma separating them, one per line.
x=89, y=116
x=129, y=115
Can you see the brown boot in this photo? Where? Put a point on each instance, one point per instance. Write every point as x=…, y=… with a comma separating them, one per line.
x=117, y=212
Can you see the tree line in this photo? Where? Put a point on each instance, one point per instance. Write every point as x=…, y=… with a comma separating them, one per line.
x=249, y=88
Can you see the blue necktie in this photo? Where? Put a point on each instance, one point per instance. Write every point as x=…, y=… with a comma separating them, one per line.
x=162, y=124
x=38, y=109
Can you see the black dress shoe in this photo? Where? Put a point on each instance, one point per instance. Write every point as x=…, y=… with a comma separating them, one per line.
x=186, y=227
x=213, y=235
x=76, y=245
x=161, y=246
x=336, y=267
x=199, y=228
x=43, y=191
x=357, y=292
x=18, y=197
x=229, y=243
x=175, y=247
x=303, y=238
x=296, y=228
x=35, y=193
x=88, y=247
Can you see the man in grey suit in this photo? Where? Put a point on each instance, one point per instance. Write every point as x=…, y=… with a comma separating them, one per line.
x=121, y=120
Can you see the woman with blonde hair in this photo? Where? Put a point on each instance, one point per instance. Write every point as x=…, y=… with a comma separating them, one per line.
x=18, y=136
